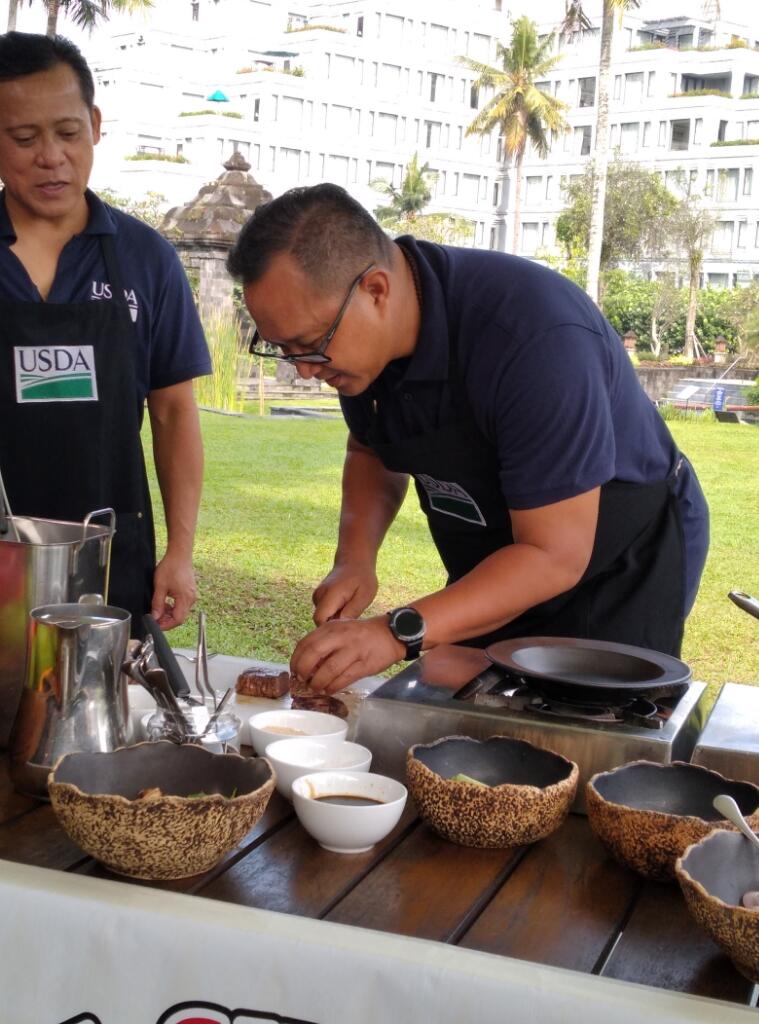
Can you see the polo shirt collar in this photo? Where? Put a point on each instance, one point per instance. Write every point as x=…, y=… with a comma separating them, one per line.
x=429, y=360
x=100, y=222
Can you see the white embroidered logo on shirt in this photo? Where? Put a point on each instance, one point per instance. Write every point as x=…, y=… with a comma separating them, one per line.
x=55, y=373
x=102, y=290
x=451, y=500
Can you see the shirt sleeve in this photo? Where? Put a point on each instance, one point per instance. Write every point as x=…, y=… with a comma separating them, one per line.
x=178, y=349
x=547, y=407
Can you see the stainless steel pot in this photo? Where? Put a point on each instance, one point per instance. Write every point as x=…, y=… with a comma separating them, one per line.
x=44, y=561
x=74, y=697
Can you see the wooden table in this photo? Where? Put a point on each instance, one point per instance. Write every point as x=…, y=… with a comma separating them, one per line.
x=561, y=902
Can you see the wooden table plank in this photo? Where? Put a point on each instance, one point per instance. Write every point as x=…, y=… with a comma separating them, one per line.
x=427, y=887
x=562, y=906
x=37, y=838
x=291, y=873
x=663, y=946
x=12, y=803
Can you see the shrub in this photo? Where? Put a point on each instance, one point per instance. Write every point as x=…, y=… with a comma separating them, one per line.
x=166, y=157
x=737, y=142
x=220, y=390
x=197, y=113
x=675, y=412
x=752, y=395
x=702, y=92
x=230, y=113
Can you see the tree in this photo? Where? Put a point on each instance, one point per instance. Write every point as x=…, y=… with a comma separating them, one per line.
x=637, y=208
x=518, y=108
x=150, y=209
x=12, y=14
x=404, y=214
x=407, y=202
x=575, y=18
x=690, y=225
x=87, y=13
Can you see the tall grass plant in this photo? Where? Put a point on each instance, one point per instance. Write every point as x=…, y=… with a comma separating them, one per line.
x=222, y=391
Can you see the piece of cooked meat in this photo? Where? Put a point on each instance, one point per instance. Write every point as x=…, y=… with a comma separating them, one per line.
x=261, y=682
x=319, y=702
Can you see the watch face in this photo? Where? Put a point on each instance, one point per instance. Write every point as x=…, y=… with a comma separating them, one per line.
x=408, y=624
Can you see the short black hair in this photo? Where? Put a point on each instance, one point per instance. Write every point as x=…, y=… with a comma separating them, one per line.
x=329, y=234
x=26, y=53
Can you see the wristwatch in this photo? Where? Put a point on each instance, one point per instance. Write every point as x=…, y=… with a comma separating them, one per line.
x=407, y=625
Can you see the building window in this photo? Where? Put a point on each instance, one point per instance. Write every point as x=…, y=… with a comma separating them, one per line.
x=549, y=184
x=587, y=92
x=647, y=133
x=742, y=233
x=709, y=186
x=651, y=83
x=256, y=109
x=722, y=131
x=195, y=10
x=680, y=134
x=722, y=239
x=474, y=96
x=727, y=185
x=629, y=140
x=530, y=236
x=582, y=136
x=432, y=133
x=633, y=88
x=534, y=188
x=434, y=85
x=748, y=181
x=360, y=25
x=617, y=87
x=662, y=133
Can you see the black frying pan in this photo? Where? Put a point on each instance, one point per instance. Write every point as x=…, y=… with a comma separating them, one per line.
x=589, y=671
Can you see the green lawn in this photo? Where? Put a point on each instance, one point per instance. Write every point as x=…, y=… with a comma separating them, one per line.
x=269, y=514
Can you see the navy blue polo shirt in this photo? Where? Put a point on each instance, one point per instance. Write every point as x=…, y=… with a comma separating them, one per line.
x=169, y=343
x=546, y=377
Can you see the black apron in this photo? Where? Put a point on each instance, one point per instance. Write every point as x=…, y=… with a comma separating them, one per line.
x=633, y=590
x=78, y=448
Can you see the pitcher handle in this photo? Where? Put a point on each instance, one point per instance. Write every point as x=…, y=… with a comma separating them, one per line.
x=105, y=544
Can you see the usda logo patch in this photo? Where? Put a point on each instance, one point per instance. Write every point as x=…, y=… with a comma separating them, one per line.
x=55, y=373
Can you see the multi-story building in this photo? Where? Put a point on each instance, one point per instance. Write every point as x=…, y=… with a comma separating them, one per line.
x=348, y=91
x=684, y=102
x=345, y=92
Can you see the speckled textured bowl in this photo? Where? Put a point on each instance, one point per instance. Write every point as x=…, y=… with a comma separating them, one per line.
x=646, y=814
x=171, y=835
x=528, y=794
x=713, y=875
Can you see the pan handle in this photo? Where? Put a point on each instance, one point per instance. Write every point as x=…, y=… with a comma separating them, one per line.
x=745, y=601
x=486, y=681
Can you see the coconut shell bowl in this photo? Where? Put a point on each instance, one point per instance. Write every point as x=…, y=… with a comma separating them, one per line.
x=647, y=814
x=715, y=875
x=158, y=810
x=495, y=793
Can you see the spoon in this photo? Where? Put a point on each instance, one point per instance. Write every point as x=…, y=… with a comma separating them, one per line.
x=729, y=809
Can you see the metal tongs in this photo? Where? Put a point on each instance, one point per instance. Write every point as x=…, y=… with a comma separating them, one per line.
x=202, y=681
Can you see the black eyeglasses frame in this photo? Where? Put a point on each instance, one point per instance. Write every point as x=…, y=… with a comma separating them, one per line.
x=315, y=355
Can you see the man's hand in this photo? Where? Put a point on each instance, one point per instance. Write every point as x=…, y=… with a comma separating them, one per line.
x=174, y=591
x=344, y=650
x=345, y=593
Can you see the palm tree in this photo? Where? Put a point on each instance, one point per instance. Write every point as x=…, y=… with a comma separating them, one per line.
x=87, y=13
x=518, y=108
x=690, y=226
x=408, y=201
x=574, y=19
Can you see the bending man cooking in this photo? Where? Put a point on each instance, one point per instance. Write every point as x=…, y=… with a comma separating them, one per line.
x=553, y=490
x=96, y=316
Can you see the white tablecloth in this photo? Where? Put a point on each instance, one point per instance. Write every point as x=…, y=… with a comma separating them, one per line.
x=81, y=950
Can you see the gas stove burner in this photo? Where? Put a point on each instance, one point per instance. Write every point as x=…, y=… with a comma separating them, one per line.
x=638, y=711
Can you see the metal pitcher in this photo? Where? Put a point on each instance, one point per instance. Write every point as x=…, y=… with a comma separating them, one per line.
x=74, y=696
x=44, y=561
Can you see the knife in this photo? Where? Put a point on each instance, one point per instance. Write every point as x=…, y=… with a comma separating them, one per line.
x=166, y=658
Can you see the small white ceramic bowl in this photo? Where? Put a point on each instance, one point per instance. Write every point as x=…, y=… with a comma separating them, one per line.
x=269, y=726
x=295, y=757
x=348, y=828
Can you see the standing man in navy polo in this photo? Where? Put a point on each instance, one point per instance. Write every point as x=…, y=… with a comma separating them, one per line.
x=96, y=316
x=553, y=490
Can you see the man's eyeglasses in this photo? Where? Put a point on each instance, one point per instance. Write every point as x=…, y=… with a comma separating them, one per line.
x=315, y=354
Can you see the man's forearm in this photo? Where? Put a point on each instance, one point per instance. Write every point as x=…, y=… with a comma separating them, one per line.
x=178, y=454
x=371, y=498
